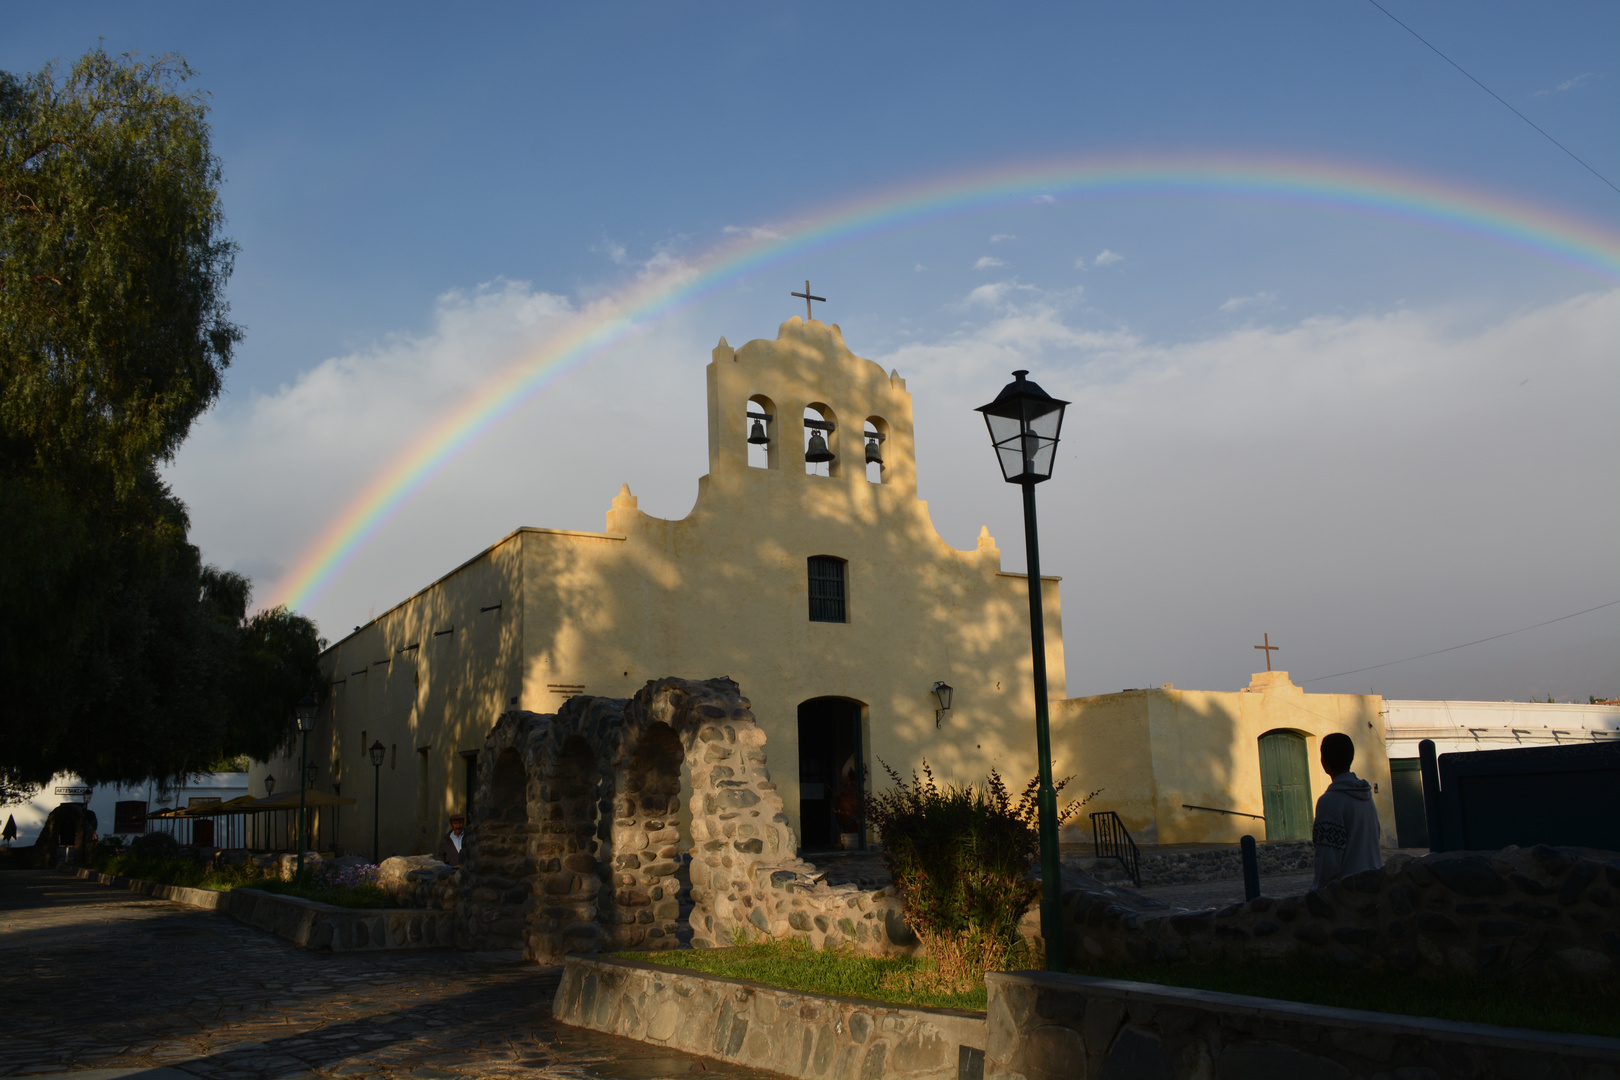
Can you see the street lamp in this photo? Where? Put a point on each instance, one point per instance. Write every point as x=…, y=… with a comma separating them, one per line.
x=269, y=786
x=942, y=694
x=377, y=752
x=308, y=709
x=1024, y=421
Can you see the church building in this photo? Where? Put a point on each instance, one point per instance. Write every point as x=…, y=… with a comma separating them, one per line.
x=808, y=571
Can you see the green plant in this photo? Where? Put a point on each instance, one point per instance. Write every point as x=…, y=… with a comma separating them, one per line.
x=963, y=861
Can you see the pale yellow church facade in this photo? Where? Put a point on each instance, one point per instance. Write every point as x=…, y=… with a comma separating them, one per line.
x=823, y=590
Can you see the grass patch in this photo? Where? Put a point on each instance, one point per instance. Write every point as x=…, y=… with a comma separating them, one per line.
x=1582, y=1010
x=349, y=896
x=794, y=965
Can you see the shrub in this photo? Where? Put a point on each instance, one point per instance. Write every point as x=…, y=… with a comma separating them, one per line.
x=963, y=860
x=154, y=845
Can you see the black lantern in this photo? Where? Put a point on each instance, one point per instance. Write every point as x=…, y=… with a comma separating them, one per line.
x=942, y=694
x=378, y=750
x=269, y=786
x=310, y=772
x=309, y=707
x=1024, y=421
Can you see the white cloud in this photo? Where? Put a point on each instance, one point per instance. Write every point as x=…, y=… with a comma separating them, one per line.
x=752, y=232
x=1349, y=484
x=1043, y=199
x=919, y=268
x=1107, y=258
x=613, y=250
x=986, y=262
x=1567, y=84
x=1259, y=299
x=1355, y=483
x=1000, y=236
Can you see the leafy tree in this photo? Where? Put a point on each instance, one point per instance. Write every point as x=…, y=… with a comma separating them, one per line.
x=122, y=656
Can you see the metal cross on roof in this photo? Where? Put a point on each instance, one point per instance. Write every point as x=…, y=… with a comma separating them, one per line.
x=1270, y=648
x=807, y=298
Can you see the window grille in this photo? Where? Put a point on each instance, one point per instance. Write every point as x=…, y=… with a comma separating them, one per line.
x=826, y=589
x=129, y=816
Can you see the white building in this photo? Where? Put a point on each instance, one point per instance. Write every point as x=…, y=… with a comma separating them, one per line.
x=1462, y=726
x=121, y=810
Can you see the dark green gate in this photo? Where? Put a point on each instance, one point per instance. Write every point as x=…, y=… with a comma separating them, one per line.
x=1285, y=785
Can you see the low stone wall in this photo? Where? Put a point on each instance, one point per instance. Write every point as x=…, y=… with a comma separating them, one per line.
x=1044, y=1026
x=1543, y=913
x=748, y=1023
x=305, y=922
x=1222, y=864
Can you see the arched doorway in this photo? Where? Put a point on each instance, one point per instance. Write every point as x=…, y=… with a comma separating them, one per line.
x=832, y=774
x=1285, y=785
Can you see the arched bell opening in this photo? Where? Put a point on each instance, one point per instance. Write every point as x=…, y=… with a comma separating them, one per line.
x=821, y=450
x=651, y=898
x=761, y=427
x=875, y=436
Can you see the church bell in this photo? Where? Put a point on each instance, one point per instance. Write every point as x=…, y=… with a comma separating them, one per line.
x=756, y=434
x=817, y=451
x=874, y=453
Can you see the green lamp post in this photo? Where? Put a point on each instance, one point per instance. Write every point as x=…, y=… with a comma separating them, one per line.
x=309, y=707
x=1024, y=421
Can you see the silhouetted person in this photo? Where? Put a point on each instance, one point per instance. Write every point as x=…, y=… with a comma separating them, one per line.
x=449, y=851
x=1346, y=830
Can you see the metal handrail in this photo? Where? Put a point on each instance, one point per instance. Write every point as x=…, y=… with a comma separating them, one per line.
x=1112, y=841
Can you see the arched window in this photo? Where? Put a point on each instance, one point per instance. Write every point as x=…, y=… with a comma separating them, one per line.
x=874, y=438
x=820, y=441
x=760, y=425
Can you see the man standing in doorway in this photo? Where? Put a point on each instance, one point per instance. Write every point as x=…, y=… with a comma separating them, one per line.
x=449, y=851
x=1346, y=830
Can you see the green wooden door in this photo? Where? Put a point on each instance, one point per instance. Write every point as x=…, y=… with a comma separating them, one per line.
x=1285, y=785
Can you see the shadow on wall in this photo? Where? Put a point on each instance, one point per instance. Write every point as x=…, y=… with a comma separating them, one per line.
x=588, y=858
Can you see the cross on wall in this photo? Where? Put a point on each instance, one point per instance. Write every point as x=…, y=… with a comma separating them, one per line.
x=1270, y=648
x=806, y=297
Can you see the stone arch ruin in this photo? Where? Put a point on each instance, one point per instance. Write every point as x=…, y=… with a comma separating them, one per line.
x=574, y=843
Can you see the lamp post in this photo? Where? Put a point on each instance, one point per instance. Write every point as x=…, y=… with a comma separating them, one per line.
x=1024, y=421
x=308, y=709
x=377, y=752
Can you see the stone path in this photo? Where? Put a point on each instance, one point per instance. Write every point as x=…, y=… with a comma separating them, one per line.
x=97, y=978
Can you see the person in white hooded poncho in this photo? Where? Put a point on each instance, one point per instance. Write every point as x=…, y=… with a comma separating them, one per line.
x=1346, y=830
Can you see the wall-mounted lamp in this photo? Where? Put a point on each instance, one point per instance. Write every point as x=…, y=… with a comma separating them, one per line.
x=269, y=786
x=942, y=694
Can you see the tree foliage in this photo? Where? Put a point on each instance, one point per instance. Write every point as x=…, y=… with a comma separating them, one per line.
x=122, y=655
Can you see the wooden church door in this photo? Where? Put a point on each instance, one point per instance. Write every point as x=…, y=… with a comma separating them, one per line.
x=1285, y=786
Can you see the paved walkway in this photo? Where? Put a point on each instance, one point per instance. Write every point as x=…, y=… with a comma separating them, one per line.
x=98, y=978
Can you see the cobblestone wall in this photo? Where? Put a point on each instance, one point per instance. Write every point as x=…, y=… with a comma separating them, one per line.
x=1541, y=912
x=574, y=845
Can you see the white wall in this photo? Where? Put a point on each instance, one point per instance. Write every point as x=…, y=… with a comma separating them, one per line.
x=31, y=815
x=1460, y=726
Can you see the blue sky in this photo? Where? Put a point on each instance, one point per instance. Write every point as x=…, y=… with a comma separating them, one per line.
x=1367, y=438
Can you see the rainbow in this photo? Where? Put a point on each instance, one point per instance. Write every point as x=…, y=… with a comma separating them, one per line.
x=635, y=308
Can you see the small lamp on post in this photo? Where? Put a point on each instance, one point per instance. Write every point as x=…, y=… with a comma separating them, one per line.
x=1024, y=421
x=942, y=694
x=269, y=786
x=309, y=707
x=378, y=751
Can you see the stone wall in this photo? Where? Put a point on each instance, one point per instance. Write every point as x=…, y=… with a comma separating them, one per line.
x=1541, y=912
x=786, y=1031
x=1043, y=1026
x=574, y=845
